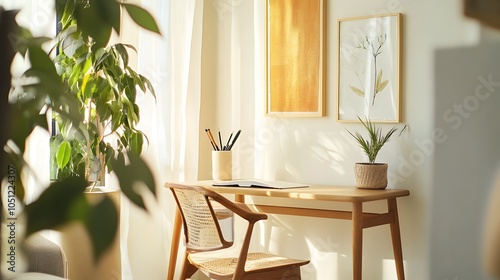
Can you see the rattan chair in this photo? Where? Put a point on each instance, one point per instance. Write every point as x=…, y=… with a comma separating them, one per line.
x=203, y=234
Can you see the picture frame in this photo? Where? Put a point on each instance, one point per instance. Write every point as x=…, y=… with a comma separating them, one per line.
x=295, y=58
x=369, y=68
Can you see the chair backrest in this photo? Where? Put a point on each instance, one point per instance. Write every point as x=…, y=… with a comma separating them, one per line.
x=201, y=227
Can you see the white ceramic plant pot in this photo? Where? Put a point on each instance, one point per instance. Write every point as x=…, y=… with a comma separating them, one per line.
x=370, y=175
x=78, y=249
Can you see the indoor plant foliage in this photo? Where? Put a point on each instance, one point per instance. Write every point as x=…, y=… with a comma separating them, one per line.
x=87, y=73
x=371, y=175
x=104, y=87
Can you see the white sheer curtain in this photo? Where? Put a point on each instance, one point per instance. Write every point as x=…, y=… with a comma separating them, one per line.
x=40, y=18
x=172, y=62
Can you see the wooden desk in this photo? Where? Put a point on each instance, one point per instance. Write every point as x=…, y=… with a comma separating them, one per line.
x=360, y=219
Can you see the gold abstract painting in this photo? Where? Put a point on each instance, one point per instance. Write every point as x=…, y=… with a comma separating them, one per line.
x=295, y=58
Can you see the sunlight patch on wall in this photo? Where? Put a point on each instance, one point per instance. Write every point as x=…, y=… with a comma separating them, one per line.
x=324, y=261
x=389, y=269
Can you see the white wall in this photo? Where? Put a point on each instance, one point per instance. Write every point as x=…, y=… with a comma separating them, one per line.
x=319, y=151
x=466, y=159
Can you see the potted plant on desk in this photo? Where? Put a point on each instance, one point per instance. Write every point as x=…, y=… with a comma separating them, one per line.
x=371, y=175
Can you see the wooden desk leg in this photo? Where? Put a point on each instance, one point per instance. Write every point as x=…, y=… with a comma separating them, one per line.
x=176, y=235
x=239, y=198
x=396, y=238
x=357, y=240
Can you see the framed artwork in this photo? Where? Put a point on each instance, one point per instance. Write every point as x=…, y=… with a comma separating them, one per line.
x=369, y=68
x=295, y=59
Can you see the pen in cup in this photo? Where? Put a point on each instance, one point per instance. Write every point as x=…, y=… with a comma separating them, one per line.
x=234, y=140
x=229, y=144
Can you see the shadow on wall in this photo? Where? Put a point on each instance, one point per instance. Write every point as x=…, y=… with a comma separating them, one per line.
x=466, y=156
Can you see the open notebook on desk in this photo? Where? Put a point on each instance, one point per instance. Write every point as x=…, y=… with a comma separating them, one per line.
x=259, y=184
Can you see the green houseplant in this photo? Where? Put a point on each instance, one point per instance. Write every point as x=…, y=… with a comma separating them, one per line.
x=102, y=85
x=42, y=92
x=371, y=175
x=103, y=88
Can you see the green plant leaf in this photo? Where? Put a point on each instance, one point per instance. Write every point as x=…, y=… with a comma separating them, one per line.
x=61, y=201
x=22, y=39
x=130, y=90
x=137, y=112
x=113, y=70
x=142, y=17
x=87, y=87
x=116, y=120
x=93, y=25
x=109, y=11
x=100, y=56
x=375, y=141
x=102, y=225
x=103, y=109
x=73, y=47
x=122, y=52
x=136, y=142
x=41, y=62
x=357, y=91
x=129, y=175
x=148, y=85
x=136, y=78
x=130, y=47
x=110, y=152
x=67, y=7
x=63, y=154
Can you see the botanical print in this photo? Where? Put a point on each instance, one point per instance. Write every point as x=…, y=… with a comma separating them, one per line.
x=375, y=50
x=368, y=84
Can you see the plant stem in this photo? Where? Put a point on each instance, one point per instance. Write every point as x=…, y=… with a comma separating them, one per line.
x=100, y=137
x=375, y=78
x=87, y=158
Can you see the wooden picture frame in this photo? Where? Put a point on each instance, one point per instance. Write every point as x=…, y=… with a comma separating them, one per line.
x=295, y=58
x=369, y=68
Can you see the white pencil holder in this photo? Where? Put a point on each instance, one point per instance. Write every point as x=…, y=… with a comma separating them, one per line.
x=222, y=167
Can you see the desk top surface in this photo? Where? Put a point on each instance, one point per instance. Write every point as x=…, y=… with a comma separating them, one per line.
x=313, y=192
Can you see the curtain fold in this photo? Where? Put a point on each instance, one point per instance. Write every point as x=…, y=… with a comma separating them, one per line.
x=172, y=62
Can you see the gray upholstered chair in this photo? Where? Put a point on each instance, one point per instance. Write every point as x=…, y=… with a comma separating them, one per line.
x=44, y=256
x=46, y=260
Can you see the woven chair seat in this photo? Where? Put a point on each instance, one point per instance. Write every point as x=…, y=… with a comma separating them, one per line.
x=255, y=261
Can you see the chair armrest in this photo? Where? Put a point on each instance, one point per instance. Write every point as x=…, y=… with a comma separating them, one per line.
x=45, y=256
x=256, y=216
